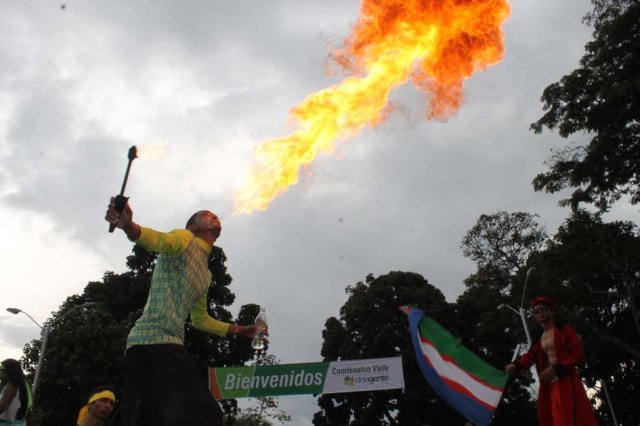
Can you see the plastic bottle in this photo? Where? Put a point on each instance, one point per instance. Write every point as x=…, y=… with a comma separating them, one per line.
x=261, y=323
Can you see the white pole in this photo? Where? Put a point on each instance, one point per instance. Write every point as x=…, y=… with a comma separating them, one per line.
x=523, y=317
x=45, y=337
x=606, y=394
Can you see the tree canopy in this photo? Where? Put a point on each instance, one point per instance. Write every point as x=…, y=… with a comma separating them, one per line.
x=500, y=244
x=502, y=241
x=599, y=100
x=372, y=326
x=592, y=269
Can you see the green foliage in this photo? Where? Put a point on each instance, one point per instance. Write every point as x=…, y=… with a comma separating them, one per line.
x=372, y=326
x=500, y=244
x=592, y=268
x=600, y=100
x=502, y=241
x=84, y=349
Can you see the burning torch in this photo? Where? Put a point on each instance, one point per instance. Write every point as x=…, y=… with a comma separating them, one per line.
x=121, y=200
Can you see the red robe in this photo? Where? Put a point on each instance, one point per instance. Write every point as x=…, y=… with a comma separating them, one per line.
x=563, y=402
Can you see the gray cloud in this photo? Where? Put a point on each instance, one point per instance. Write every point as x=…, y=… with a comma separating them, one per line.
x=14, y=332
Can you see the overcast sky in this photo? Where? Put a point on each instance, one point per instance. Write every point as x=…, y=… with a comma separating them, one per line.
x=83, y=81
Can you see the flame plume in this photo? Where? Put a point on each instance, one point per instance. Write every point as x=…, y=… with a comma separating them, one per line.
x=435, y=43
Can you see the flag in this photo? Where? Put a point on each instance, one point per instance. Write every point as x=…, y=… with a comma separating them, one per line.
x=462, y=379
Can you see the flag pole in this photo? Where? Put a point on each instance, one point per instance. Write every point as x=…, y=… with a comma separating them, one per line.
x=516, y=351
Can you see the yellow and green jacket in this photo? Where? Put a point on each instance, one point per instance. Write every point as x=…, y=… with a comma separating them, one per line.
x=178, y=287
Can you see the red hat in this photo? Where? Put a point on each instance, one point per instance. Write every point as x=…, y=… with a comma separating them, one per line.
x=542, y=300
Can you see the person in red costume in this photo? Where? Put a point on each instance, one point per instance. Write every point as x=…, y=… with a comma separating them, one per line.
x=556, y=351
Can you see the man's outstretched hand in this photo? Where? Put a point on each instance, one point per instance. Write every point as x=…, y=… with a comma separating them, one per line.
x=123, y=219
x=510, y=368
x=248, y=331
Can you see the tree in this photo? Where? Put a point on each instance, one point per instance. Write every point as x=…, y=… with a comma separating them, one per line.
x=372, y=326
x=501, y=244
x=86, y=348
x=593, y=269
x=600, y=100
x=502, y=241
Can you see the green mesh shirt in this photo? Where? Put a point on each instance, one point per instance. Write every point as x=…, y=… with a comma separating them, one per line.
x=178, y=287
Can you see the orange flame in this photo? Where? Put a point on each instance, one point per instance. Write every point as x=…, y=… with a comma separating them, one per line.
x=151, y=150
x=436, y=43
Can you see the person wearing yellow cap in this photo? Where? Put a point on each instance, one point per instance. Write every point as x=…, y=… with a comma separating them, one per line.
x=98, y=408
x=15, y=399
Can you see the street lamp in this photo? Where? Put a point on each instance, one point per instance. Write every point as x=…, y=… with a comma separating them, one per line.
x=45, y=337
x=16, y=311
x=525, y=285
x=520, y=310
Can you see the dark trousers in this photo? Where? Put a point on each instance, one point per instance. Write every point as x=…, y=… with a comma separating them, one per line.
x=165, y=388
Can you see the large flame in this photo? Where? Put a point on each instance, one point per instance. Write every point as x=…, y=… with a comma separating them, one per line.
x=436, y=43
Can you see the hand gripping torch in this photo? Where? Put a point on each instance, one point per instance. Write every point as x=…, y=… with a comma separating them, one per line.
x=121, y=200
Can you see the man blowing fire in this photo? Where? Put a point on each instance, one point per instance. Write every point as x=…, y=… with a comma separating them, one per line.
x=164, y=385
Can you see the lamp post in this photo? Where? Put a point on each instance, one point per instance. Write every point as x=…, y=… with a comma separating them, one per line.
x=45, y=337
x=521, y=313
x=523, y=318
x=520, y=310
x=16, y=311
x=525, y=285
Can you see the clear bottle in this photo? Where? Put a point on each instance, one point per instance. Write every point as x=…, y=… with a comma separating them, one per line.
x=261, y=323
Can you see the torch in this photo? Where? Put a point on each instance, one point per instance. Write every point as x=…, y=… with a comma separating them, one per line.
x=121, y=200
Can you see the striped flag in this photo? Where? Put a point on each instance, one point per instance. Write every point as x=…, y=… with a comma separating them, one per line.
x=464, y=381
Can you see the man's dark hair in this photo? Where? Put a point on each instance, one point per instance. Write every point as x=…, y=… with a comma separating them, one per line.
x=192, y=219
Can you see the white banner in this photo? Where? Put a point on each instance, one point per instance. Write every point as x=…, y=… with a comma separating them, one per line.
x=364, y=375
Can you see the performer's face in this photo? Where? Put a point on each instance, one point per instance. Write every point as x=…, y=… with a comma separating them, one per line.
x=206, y=221
x=101, y=408
x=542, y=313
